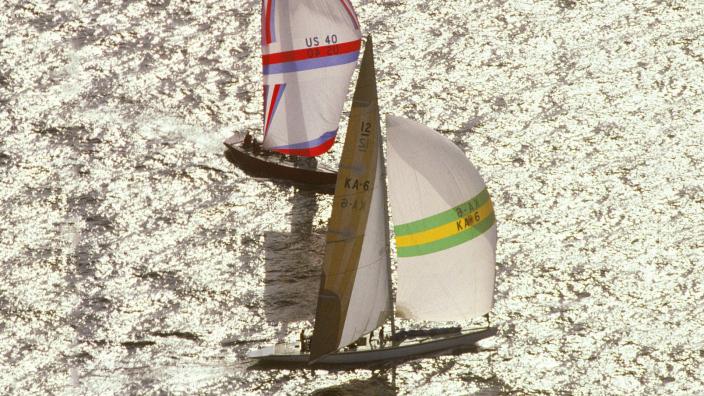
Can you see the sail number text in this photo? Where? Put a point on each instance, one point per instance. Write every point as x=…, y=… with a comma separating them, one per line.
x=468, y=213
x=468, y=221
x=352, y=183
x=363, y=142
x=356, y=184
x=314, y=50
x=355, y=204
x=315, y=41
x=467, y=208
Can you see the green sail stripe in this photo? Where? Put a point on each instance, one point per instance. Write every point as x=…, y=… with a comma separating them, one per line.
x=445, y=217
x=446, y=243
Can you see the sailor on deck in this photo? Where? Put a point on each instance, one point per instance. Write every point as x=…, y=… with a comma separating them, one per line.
x=303, y=341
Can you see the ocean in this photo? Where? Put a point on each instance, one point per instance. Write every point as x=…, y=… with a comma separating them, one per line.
x=134, y=259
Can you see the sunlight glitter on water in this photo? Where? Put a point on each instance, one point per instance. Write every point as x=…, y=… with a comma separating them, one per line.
x=136, y=259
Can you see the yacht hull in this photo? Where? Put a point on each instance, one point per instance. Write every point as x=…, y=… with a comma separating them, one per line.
x=273, y=166
x=290, y=353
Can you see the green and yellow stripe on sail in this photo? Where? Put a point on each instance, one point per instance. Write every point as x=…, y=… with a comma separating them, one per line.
x=444, y=230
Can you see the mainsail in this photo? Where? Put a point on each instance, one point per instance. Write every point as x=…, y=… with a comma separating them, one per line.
x=309, y=52
x=444, y=225
x=355, y=297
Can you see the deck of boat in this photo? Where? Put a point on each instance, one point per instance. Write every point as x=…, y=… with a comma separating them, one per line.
x=266, y=164
x=291, y=353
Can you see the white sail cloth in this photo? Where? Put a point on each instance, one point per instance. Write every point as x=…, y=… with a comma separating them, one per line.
x=370, y=302
x=444, y=224
x=355, y=297
x=309, y=52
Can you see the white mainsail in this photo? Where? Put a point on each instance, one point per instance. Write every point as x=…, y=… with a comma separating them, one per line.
x=309, y=52
x=370, y=302
x=444, y=224
x=354, y=296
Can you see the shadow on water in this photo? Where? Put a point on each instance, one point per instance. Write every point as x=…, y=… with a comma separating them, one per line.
x=292, y=264
x=84, y=228
x=382, y=380
x=378, y=384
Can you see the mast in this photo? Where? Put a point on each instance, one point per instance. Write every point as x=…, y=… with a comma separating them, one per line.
x=387, y=234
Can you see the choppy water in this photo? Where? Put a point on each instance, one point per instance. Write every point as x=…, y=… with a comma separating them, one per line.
x=134, y=258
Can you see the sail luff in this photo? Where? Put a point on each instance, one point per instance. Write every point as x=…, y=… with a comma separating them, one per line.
x=354, y=298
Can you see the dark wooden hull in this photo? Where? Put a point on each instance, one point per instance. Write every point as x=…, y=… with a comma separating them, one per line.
x=273, y=166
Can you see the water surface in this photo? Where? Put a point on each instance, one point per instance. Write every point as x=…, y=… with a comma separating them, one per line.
x=134, y=258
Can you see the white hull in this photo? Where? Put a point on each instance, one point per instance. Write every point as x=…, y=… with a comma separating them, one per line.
x=289, y=353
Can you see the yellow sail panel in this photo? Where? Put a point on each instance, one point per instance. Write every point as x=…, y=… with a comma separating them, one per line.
x=354, y=297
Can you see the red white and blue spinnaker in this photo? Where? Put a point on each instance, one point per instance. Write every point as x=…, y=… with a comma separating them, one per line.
x=309, y=52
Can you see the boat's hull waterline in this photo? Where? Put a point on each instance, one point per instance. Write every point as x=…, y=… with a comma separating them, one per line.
x=291, y=354
x=274, y=166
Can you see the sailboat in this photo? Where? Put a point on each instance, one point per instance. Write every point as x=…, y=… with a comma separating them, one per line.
x=445, y=243
x=309, y=53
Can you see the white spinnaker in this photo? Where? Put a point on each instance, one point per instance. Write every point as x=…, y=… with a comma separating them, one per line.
x=370, y=303
x=446, y=263
x=309, y=52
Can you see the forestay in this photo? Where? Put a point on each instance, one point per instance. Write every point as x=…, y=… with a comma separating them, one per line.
x=309, y=52
x=354, y=297
x=444, y=225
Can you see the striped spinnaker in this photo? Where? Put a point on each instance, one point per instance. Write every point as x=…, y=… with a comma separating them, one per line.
x=445, y=226
x=311, y=58
x=271, y=103
x=268, y=26
x=310, y=47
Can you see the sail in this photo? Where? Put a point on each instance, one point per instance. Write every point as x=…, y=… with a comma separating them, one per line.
x=444, y=225
x=355, y=297
x=309, y=52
